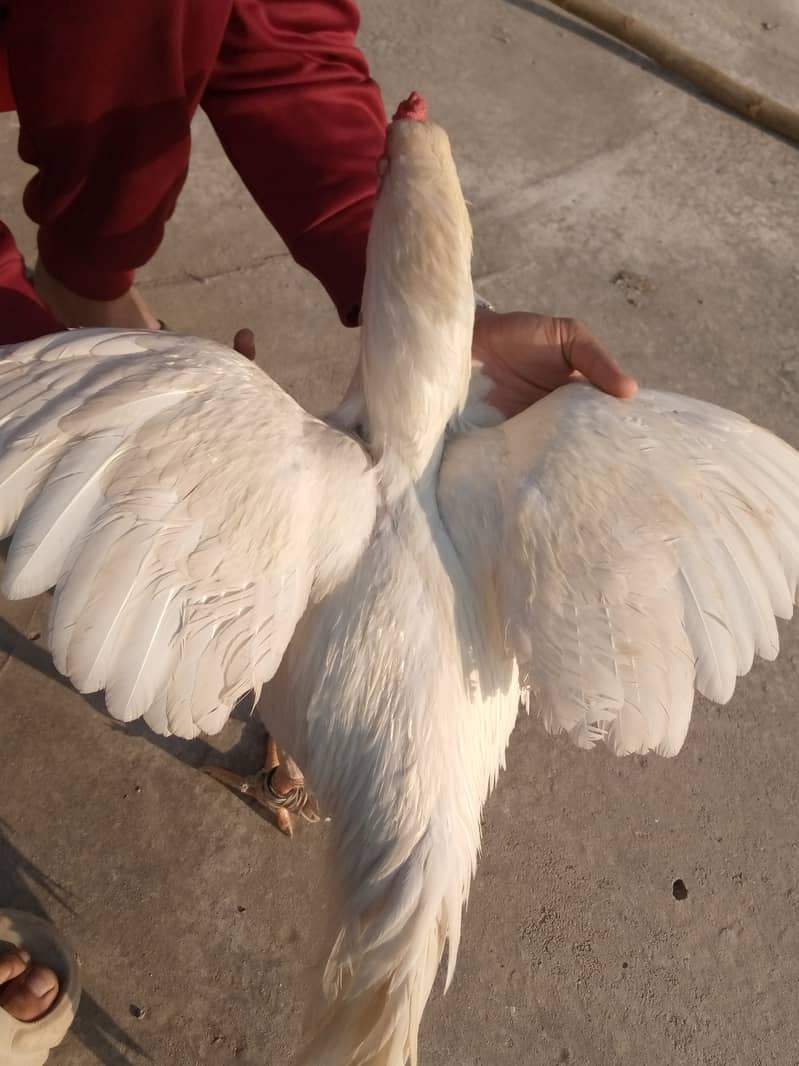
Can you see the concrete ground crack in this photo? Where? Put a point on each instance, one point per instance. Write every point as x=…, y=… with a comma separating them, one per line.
x=189, y=276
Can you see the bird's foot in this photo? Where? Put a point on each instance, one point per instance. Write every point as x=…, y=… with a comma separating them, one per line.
x=277, y=786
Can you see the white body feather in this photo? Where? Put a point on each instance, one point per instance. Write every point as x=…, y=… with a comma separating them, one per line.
x=410, y=671
x=204, y=535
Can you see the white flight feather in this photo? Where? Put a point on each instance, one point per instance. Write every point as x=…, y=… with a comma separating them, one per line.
x=143, y=654
x=91, y=645
x=20, y=478
x=707, y=629
x=73, y=591
x=48, y=528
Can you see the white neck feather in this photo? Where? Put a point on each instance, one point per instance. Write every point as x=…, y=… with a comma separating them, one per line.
x=418, y=307
x=416, y=378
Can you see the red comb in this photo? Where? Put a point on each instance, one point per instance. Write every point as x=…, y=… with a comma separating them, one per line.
x=413, y=108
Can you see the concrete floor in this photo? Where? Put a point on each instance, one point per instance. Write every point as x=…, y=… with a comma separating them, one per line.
x=580, y=161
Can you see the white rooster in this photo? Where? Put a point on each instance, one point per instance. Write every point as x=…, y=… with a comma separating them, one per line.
x=401, y=589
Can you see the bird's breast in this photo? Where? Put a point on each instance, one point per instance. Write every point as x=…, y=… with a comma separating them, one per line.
x=405, y=653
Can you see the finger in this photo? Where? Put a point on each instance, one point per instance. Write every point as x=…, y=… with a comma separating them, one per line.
x=244, y=343
x=29, y=997
x=12, y=964
x=588, y=357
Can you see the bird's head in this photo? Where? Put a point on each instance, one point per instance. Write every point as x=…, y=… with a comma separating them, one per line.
x=418, y=305
x=421, y=239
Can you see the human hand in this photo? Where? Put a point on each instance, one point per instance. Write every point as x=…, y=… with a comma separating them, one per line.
x=527, y=356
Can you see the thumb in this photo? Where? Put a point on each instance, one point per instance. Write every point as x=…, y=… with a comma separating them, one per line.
x=244, y=343
x=588, y=357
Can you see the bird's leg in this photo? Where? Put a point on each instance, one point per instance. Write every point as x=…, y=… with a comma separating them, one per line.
x=279, y=786
x=284, y=786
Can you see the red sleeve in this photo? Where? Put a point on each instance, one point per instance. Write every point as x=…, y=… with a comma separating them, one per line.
x=303, y=123
x=6, y=95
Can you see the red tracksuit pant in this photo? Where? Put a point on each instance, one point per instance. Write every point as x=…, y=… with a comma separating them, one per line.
x=106, y=91
x=23, y=316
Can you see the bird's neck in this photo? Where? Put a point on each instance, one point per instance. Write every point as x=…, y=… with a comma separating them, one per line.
x=416, y=366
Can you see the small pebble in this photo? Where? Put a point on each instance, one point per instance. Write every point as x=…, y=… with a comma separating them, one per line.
x=137, y=1012
x=678, y=889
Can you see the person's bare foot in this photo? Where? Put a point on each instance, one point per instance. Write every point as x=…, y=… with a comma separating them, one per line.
x=126, y=312
x=27, y=991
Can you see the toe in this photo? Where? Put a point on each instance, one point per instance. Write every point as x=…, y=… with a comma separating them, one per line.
x=30, y=995
x=284, y=823
x=12, y=964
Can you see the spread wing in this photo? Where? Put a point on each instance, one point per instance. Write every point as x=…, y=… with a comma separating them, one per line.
x=185, y=509
x=638, y=549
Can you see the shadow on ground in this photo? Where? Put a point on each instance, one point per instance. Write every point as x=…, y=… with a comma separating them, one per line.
x=22, y=886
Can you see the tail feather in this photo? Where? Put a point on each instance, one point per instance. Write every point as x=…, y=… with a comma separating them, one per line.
x=381, y=970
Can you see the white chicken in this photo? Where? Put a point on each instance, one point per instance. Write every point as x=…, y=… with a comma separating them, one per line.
x=402, y=590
